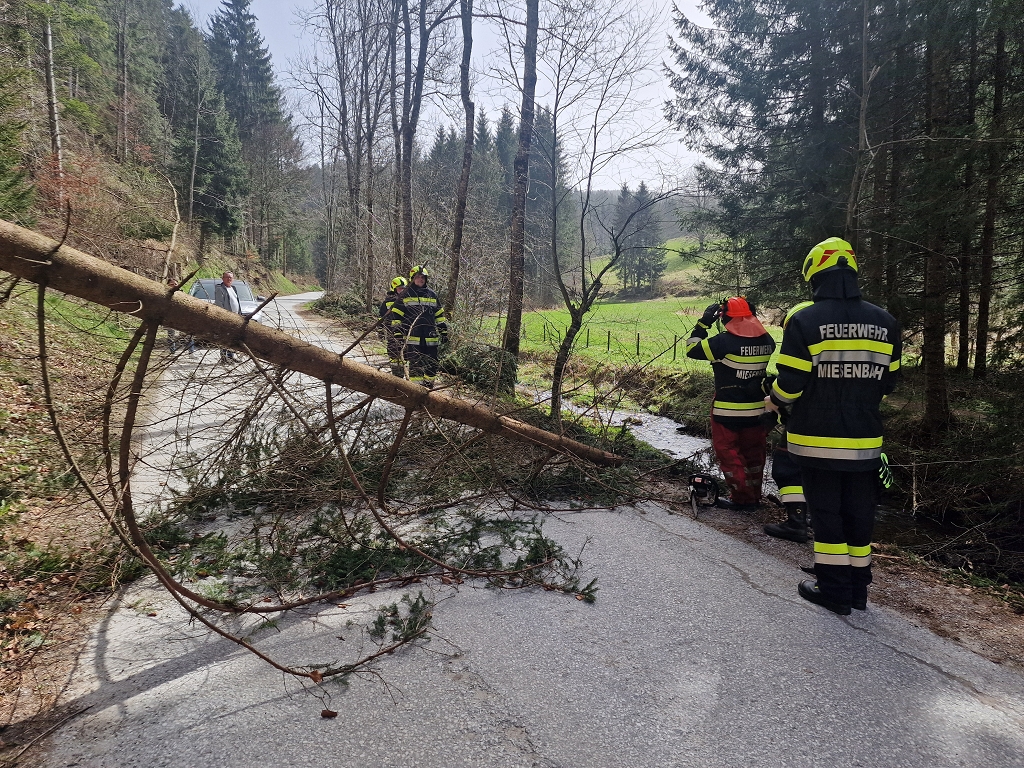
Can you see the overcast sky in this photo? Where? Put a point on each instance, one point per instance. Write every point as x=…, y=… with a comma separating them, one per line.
x=278, y=23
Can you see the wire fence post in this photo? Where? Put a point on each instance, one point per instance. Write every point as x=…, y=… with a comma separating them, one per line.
x=545, y=338
x=675, y=341
x=608, y=345
x=638, y=343
x=588, y=337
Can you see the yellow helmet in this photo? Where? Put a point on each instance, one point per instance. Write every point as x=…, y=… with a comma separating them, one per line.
x=794, y=310
x=398, y=282
x=419, y=269
x=826, y=255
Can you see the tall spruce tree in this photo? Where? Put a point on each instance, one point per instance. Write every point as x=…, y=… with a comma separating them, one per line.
x=244, y=72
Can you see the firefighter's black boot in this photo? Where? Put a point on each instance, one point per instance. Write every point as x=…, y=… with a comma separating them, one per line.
x=794, y=527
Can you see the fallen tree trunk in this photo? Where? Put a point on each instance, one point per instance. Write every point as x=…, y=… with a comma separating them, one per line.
x=37, y=258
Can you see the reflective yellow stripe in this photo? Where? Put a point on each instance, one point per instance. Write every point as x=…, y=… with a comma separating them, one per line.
x=397, y=311
x=849, y=443
x=795, y=362
x=749, y=358
x=831, y=554
x=894, y=365
x=839, y=448
x=783, y=394
x=791, y=489
x=860, y=557
x=865, y=345
x=759, y=405
x=707, y=349
x=831, y=549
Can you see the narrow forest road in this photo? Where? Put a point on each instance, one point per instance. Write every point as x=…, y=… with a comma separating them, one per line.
x=698, y=652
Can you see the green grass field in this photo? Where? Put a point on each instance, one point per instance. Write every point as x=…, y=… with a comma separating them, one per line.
x=609, y=334
x=610, y=331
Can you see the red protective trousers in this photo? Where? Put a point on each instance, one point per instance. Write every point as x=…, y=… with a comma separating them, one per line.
x=741, y=454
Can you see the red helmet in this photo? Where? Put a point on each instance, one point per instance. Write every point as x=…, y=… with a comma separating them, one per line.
x=738, y=316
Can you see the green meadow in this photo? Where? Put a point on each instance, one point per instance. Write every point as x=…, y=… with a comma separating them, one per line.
x=621, y=333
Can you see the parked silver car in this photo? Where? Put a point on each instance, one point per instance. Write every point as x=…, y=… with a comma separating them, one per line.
x=203, y=288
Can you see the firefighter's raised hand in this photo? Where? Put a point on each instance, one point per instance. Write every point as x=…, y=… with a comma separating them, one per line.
x=710, y=315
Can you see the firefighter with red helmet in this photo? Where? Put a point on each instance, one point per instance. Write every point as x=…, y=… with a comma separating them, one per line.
x=739, y=358
x=840, y=357
x=419, y=324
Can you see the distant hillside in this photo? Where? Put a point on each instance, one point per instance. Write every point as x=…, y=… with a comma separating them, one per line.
x=667, y=213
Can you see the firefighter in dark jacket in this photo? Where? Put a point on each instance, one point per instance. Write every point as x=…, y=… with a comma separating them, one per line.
x=398, y=286
x=739, y=358
x=418, y=323
x=787, y=476
x=839, y=358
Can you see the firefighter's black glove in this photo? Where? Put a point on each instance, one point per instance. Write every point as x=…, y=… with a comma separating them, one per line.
x=710, y=315
x=766, y=384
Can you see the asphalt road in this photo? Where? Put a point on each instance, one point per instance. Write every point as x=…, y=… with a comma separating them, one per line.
x=698, y=652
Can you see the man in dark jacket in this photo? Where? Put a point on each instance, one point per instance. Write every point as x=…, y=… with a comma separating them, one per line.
x=398, y=286
x=739, y=358
x=840, y=357
x=418, y=322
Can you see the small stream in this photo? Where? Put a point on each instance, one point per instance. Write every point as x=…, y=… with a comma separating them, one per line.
x=891, y=526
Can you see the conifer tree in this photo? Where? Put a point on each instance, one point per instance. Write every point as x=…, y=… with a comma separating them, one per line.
x=244, y=72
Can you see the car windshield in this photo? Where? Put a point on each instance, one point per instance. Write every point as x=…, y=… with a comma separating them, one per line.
x=206, y=289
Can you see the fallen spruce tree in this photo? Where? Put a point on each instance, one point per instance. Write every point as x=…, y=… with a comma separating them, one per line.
x=34, y=257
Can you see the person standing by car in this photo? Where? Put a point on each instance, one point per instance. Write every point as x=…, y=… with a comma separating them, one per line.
x=418, y=323
x=226, y=297
x=739, y=358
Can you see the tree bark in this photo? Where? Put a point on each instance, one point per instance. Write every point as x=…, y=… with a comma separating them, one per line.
x=122, y=83
x=51, y=103
x=38, y=259
x=988, y=230
x=936, y=401
x=462, y=194
x=520, y=170
x=963, y=355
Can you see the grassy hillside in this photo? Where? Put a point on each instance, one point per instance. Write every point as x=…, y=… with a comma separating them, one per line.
x=682, y=272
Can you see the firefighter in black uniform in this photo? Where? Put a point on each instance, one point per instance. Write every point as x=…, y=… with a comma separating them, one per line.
x=418, y=323
x=786, y=474
x=398, y=286
x=839, y=358
x=738, y=358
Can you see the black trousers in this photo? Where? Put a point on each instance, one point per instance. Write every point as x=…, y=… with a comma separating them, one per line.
x=842, y=505
x=423, y=363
